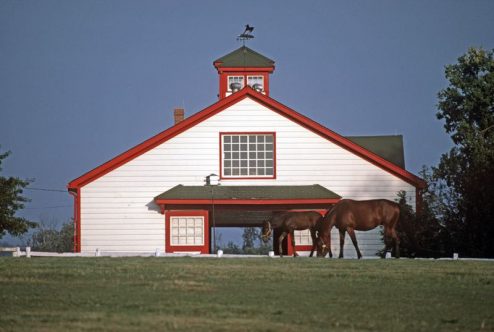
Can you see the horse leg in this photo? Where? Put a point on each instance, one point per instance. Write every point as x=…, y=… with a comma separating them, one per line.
x=396, y=242
x=280, y=243
x=342, y=242
x=292, y=236
x=351, y=232
x=313, y=236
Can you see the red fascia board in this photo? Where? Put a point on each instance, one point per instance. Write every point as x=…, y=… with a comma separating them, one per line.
x=246, y=201
x=244, y=69
x=340, y=140
x=158, y=139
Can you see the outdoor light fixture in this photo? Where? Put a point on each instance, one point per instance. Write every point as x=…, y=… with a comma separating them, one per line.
x=213, y=180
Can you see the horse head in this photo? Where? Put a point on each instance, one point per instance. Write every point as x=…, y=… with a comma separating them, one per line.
x=323, y=247
x=267, y=230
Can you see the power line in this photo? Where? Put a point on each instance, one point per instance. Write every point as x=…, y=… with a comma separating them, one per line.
x=47, y=207
x=46, y=189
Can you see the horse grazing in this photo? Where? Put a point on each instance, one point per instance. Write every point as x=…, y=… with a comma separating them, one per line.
x=350, y=216
x=288, y=223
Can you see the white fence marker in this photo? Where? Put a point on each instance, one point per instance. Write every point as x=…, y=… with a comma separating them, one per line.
x=17, y=252
x=220, y=253
x=271, y=254
x=388, y=254
x=98, y=253
x=157, y=253
x=28, y=252
x=455, y=256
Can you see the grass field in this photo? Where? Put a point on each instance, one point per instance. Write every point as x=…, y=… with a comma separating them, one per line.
x=254, y=294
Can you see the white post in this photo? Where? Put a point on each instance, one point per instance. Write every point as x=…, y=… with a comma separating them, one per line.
x=28, y=252
x=157, y=253
x=271, y=254
x=17, y=252
x=98, y=252
x=220, y=253
x=388, y=254
x=455, y=256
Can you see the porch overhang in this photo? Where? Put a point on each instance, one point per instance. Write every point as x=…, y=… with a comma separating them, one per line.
x=246, y=195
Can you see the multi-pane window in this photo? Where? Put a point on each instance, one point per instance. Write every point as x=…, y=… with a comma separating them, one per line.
x=235, y=79
x=303, y=238
x=187, y=231
x=248, y=155
x=252, y=80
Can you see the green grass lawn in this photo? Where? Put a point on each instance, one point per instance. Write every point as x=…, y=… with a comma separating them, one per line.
x=205, y=294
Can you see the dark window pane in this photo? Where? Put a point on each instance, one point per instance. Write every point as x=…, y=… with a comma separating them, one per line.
x=260, y=155
x=235, y=155
x=260, y=147
x=243, y=163
x=227, y=139
x=252, y=163
x=228, y=155
x=228, y=163
x=235, y=171
x=228, y=147
x=269, y=171
x=234, y=147
x=243, y=147
x=269, y=147
x=260, y=139
x=260, y=163
x=269, y=163
x=252, y=155
x=243, y=155
x=228, y=171
x=252, y=171
x=269, y=139
x=235, y=163
x=252, y=147
x=243, y=139
x=252, y=139
x=243, y=171
x=235, y=139
x=269, y=155
x=260, y=171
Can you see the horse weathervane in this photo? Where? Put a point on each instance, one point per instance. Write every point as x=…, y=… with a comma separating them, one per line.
x=247, y=34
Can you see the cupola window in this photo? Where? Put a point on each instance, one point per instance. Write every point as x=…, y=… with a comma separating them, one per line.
x=235, y=83
x=256, y=82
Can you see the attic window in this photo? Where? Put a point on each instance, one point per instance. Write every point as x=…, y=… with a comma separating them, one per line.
x=249, y=155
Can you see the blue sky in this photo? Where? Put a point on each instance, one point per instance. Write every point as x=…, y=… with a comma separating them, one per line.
x=83, y=81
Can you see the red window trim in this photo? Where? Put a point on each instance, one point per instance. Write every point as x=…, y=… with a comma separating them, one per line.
x=248, y=177
x=203, y=249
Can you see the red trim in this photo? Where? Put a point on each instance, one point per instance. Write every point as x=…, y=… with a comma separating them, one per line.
x=249, y=177
x=224, y=103
x=77, y=220
x=204, y=249
x=244, y=72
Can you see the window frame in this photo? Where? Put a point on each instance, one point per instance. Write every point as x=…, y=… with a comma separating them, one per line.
x=202, y=248
x=251, y=76
x=246, y=177
x=228, y=89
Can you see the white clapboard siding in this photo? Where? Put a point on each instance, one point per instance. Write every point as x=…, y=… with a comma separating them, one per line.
x=118, y=212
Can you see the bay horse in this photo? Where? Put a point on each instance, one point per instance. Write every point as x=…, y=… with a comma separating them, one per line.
x=350, y=216
x=288, y=223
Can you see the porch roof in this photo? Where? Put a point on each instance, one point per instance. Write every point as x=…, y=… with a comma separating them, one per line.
x=246, y=194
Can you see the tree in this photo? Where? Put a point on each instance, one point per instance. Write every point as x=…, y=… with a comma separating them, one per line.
x=11, y=200
x=48, y=238
x=467, y=108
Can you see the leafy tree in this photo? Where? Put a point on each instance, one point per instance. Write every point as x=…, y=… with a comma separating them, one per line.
x=11, y=200
x=232, y=248
x=467, y=108
x=48, y=238
x=252, y=243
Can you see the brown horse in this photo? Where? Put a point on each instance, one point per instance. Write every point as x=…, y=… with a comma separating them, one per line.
x=350, y=216
x=288, y=223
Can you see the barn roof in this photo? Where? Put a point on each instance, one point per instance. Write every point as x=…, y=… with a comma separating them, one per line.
x=221, y=192
x=389, y=147
x=270, y=103
x=244, y=57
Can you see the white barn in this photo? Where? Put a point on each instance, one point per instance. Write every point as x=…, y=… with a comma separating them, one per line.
x=268, y=157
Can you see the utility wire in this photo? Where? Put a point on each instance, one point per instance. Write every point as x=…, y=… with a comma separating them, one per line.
x=46, y=189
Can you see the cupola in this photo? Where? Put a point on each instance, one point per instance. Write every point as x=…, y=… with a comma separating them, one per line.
x=243, y=67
